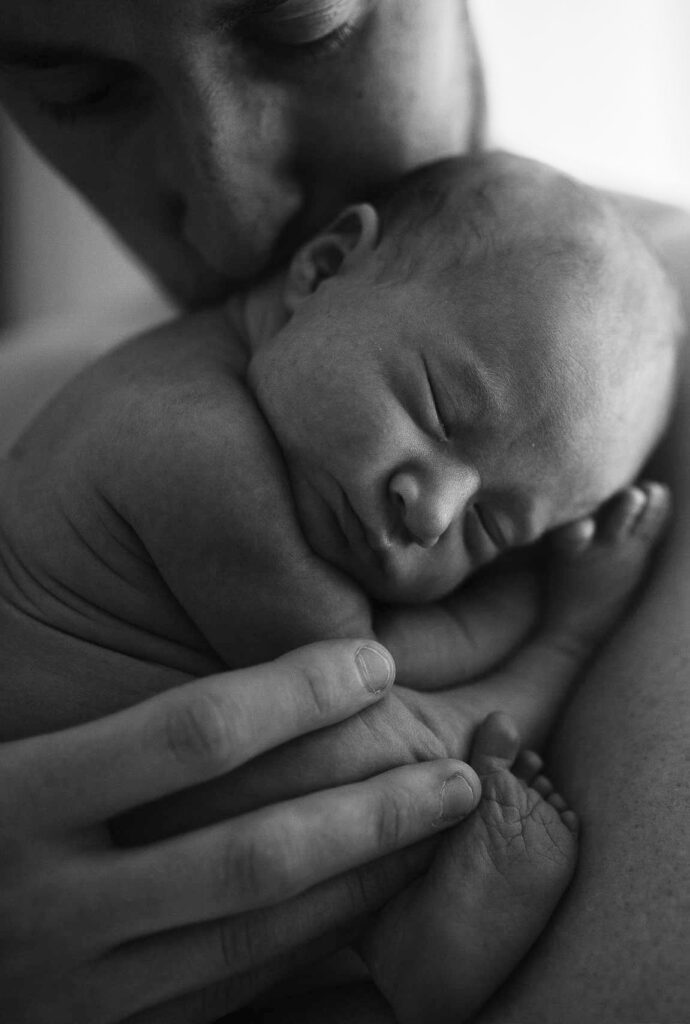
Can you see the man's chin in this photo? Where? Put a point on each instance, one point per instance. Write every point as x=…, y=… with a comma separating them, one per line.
x=196, y=295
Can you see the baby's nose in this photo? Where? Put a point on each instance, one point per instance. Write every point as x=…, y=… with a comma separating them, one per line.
x=428, y=504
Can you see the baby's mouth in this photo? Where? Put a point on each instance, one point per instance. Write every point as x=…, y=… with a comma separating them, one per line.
x=362, y=542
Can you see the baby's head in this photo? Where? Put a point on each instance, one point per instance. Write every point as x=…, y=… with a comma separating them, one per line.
x=487, y=354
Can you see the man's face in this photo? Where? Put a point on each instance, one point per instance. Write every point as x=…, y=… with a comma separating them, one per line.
x=215, y=134
x=421, y=441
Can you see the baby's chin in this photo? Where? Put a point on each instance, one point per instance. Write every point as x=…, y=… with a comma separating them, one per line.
x=415, y=588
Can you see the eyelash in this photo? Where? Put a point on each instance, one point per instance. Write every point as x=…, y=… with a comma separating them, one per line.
x=434, y=399
x=101, y=101
x=90, y=106
x=311, y=51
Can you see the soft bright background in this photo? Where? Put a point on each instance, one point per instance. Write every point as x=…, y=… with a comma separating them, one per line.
x=598, y=87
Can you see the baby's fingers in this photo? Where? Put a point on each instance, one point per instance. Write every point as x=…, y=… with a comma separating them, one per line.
x=204, y=729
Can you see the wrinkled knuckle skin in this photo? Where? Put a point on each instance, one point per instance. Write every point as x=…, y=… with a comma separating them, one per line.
x=318, y=691
x=392, y=823
x=197, y=734
x=409, y=728
x=371, y=885
x=244, y=942
x=258, y=868
x=434, y=731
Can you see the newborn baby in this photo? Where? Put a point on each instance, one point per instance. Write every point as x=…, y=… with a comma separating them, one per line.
x=485, y=357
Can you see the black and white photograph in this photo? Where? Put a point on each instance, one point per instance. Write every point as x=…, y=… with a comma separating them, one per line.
x=344, y=512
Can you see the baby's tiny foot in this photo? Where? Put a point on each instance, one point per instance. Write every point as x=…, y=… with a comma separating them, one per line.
x=494, y=749
x=598, y=561
x=519, y=808
x=495, y=881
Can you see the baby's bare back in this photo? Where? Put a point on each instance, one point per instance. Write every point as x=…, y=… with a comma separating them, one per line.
x=147, y=524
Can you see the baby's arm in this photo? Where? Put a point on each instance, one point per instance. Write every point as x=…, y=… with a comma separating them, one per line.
x=463, y=636
x=594, y=567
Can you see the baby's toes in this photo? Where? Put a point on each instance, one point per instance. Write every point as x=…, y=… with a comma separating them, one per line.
x=528, y=766
x=574, y=538
x=653, y=516
x=495, y=746
x=568, y=817
x=543, y=786
x=520, y=819
x=528, y=836
x=638, y=513
x=519, y=814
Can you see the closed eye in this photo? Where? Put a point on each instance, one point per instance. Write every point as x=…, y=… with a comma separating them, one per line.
x=298, y=29
x=443, y=429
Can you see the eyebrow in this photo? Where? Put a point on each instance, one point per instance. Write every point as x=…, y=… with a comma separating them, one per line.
x=223, y=17
x=19, y=56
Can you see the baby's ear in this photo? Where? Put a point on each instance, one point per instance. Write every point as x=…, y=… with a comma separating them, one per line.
x=350, y=237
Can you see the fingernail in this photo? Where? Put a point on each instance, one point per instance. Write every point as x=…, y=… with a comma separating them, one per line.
x=375, y=668
x=457, y=799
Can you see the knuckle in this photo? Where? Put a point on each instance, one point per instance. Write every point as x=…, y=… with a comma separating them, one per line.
x=220, y=999
x=197, y=733
x=372, y=885
x=430, y=733
x=363, y=890
x=243, y=941
x=260, y=868
x=317, y=690
x=408, y=729
x=392, y=820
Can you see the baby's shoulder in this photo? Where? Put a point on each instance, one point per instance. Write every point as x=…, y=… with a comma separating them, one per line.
x=169, y=403
x=186, y=357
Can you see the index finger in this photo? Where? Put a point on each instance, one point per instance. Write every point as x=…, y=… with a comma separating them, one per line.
x=190, y=734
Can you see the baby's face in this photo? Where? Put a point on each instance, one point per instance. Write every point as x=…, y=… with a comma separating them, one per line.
x=422, y=441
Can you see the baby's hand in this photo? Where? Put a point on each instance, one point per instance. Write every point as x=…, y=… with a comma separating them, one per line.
x=594, y=569
x=467, y=634
x=598, y=562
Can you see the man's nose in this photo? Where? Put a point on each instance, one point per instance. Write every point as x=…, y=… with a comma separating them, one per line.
x=223, y=167
x=429, y=501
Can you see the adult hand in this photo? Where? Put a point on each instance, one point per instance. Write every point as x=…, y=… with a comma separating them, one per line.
x=408, y=727
x=91, y=933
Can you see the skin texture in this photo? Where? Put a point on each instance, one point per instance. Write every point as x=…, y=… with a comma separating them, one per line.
x=405, y=730
x=179, y=490
x=418, y=449
x=106, y=958
x=630, y=717
x=143, y=491
x=617, y=947
x=441, y=947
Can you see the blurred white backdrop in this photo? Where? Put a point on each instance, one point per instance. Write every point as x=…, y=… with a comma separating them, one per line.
x=597, y=87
